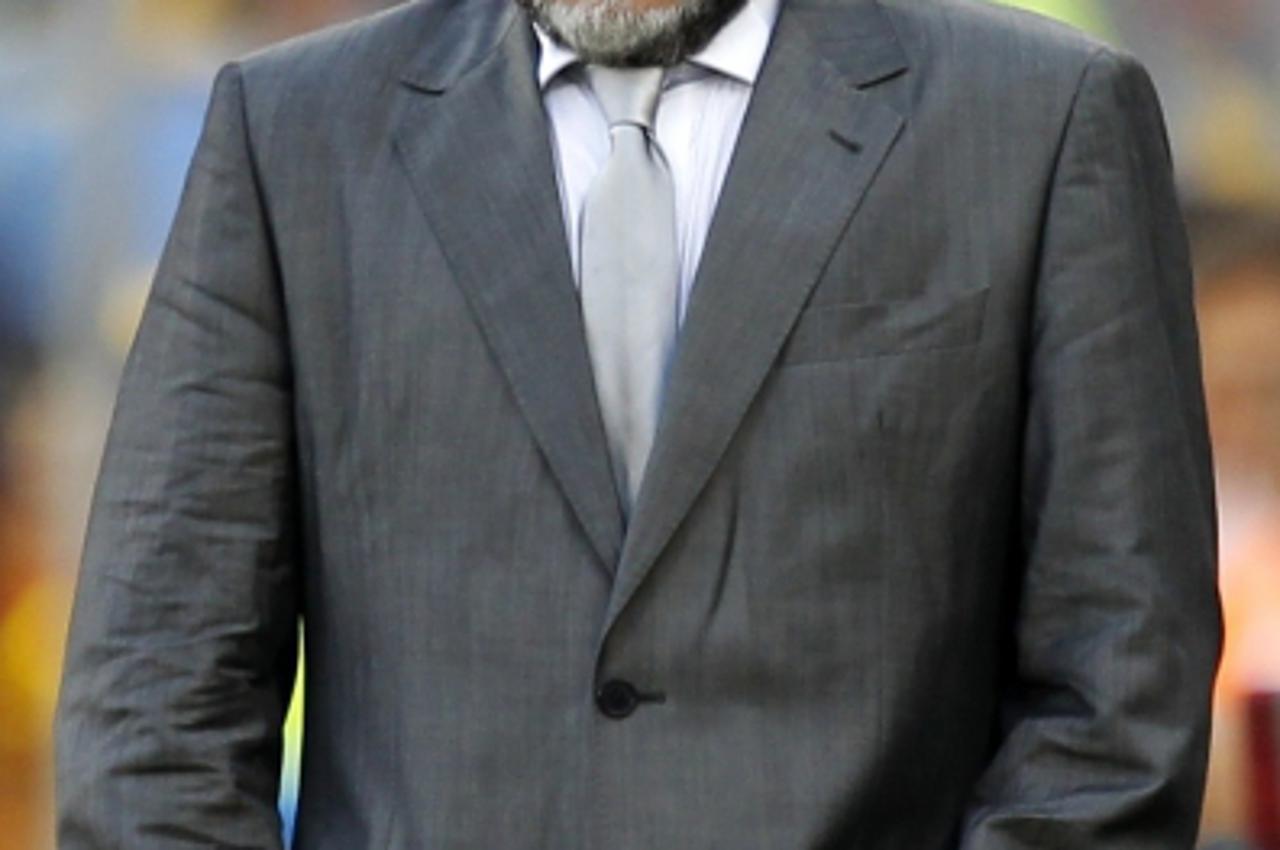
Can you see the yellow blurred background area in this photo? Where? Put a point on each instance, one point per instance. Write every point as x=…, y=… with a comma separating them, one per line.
x=100, y=105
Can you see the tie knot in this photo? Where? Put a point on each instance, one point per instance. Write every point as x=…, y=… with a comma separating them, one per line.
x=626, y=95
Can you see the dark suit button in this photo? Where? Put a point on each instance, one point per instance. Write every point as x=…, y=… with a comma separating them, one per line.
x=617, y=699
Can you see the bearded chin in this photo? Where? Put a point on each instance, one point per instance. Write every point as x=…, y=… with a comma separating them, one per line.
x=615, y=32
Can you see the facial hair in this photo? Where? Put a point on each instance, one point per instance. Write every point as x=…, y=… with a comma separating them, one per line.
x=615, y=32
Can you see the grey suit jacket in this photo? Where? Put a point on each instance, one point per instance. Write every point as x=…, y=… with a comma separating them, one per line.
x=924, y=559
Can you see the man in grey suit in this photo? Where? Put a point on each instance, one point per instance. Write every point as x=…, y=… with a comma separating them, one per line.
x=923, y=553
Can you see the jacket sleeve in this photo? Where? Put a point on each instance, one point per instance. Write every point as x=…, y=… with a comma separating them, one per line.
x=182, y=647
x=1116, y=639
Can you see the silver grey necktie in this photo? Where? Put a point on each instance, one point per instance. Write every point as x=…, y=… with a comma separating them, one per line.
x=630, y=271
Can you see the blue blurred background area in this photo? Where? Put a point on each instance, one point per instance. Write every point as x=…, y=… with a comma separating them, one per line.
x=100, y=105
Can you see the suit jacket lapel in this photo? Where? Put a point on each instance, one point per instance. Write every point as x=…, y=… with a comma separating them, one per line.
x=474, y=140
x=812, y=141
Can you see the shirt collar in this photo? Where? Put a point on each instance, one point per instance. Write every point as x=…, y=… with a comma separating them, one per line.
x=736, y=51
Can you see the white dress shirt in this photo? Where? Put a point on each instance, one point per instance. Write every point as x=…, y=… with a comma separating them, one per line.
x=700, y=112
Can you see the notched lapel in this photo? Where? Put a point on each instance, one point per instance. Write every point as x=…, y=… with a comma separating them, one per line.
x=474, y=141
x=812, y=142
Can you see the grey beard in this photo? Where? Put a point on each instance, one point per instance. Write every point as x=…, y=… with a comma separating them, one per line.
x=612, y=32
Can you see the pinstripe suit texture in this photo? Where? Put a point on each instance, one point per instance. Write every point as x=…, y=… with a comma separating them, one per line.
x=924, y=558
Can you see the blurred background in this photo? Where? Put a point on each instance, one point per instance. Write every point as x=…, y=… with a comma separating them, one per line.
x=100, y=105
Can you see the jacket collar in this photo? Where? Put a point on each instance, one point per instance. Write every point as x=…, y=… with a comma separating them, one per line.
x=855, y=36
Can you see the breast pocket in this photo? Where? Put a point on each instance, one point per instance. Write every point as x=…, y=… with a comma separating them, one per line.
x=833, y=332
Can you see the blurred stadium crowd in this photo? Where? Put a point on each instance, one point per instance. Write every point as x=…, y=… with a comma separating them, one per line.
x=100, y=105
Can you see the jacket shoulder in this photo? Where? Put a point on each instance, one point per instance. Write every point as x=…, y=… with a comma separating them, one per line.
x=351, y=59
x=986, y=35
x=1020, y=70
